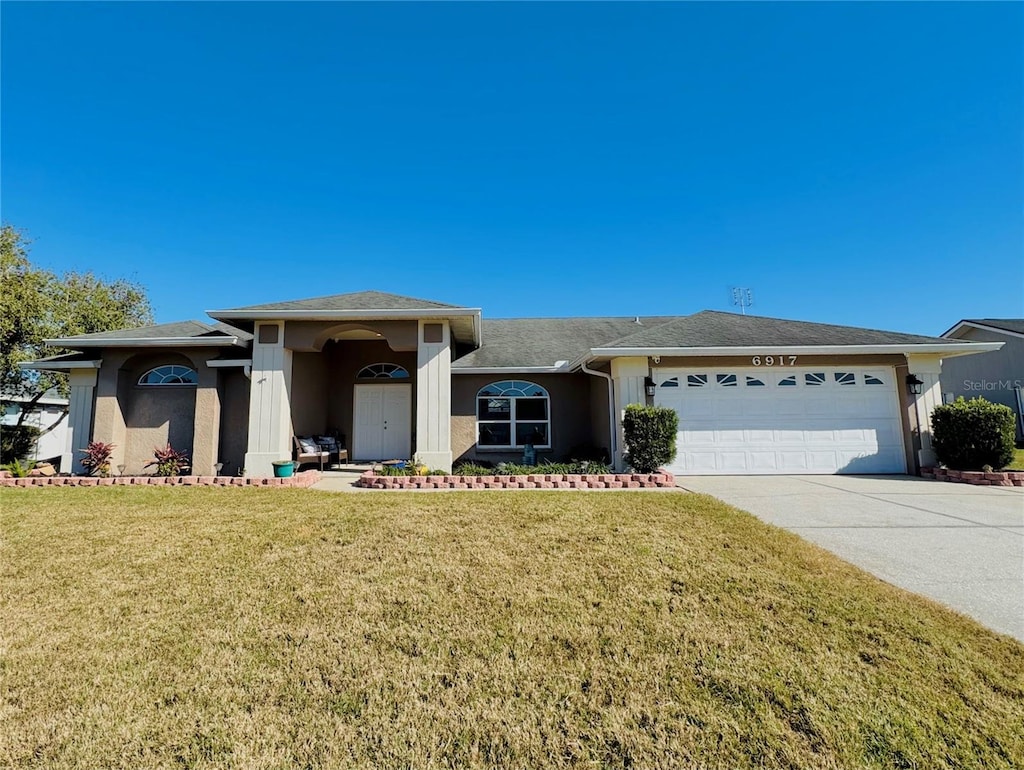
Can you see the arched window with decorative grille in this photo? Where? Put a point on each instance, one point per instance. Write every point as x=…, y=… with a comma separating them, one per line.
x=171, y=374
x=513, y=413
x=383, y=371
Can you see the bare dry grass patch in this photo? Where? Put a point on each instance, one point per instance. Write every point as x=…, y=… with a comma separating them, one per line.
x=285, y=628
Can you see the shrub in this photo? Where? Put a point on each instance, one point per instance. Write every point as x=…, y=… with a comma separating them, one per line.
x=17, y=441
x=168, y=461
x=473, y=469
x=968, y=435
x=97, y=458
x=650, y=434
x=17, y=470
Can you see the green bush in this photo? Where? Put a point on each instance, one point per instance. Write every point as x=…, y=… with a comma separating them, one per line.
x=16, y=442
x=650, y=433
x=968, y=435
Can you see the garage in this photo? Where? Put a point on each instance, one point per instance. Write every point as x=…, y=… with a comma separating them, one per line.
x=784, y=420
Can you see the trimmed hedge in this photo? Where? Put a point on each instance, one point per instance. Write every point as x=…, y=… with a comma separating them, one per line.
x=969, y=435
x=650, y=434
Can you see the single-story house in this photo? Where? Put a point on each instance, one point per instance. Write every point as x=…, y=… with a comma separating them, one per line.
x=47, y=416
x=998, y=376
x=400, y=377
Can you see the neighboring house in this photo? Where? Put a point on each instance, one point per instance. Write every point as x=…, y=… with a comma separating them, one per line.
x=48, y=411
x=996, y=376
x=399, y=377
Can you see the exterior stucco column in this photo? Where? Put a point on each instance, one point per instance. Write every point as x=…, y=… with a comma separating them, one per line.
x=206, y=429
x=926, y=369
x=434, y=395
x=628, y=374
x=270, y=415
x=108, y=423
x=80, y=410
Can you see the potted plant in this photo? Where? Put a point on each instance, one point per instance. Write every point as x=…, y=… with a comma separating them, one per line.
x=283, y=468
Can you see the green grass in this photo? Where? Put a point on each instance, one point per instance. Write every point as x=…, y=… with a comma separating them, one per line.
x=1017, y=464
x=160, y=628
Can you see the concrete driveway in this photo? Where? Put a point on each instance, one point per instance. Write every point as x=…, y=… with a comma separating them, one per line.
x=960, y=545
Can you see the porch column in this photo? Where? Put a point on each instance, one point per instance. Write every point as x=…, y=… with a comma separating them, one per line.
x=108, y=423
x=206, y=429
x=270, y=413
x=628, y=374
x=434, y=395
x=83, y=390
x=927, y=369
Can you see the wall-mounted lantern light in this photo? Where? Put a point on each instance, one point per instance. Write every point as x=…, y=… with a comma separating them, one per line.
x=914, y=385
x=649, y=386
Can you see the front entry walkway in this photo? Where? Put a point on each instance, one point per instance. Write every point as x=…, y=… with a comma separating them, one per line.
x=960, y=545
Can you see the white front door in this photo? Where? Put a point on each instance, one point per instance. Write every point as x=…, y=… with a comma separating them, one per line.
x=382, y=424
x=784, y=420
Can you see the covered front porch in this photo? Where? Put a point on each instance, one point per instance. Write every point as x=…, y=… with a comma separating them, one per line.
x=379, y=379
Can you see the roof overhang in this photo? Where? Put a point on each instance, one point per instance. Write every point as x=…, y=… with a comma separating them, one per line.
x=45, y=365
x=143, y=342
x=227, y=363
x=562, y=368
x=951, y=333
x=465, y=320
x=944, y=350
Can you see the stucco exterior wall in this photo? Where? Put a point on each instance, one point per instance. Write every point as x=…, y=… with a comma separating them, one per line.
x=154, y=416
x=310, y=336
x=234, y=420
x=992, y=376
x=570, y=415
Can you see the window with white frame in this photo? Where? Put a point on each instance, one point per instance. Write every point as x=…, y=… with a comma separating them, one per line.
x=383, y=371
x=511, y=414
x=169, y=375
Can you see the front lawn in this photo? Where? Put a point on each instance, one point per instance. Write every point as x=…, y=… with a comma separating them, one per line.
x=206, y=627
x=1017, y=464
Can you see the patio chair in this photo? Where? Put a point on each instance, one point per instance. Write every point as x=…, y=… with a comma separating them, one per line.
x=335, y=448
x=308, y=451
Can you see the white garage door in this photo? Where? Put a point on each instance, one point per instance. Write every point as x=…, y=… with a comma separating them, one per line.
x=784, y=420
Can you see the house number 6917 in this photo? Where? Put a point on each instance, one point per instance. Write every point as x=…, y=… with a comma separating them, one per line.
x=773, y=360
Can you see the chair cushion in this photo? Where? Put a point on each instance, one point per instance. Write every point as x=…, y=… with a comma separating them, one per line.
x=309, y=446
x=327, y=443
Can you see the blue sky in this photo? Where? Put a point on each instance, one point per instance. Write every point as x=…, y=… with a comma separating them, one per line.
x=859, y=164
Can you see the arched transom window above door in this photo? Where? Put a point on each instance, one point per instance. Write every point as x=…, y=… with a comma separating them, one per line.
x=169, y=375
x=383, y=372
x=513, y=413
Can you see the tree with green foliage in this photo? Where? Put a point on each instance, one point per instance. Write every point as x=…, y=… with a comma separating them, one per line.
x=968, y=435
x=37, y=304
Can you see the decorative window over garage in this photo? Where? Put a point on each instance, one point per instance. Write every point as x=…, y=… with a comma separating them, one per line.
x=169, y=375
x=513, y=413
x=814, y=378
x=754, y=382
x=383, y=372
x=672, y=382
x=870, y=379
x=696, y=380
x=726, y=380
x=846, y=378
x=788, y=382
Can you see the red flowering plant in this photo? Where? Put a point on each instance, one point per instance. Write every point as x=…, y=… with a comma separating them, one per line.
x=169, y=461
x=97, y=458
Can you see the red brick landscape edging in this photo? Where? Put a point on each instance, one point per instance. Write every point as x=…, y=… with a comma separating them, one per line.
x=300, y=480
x=371, y=480
x=978, y=478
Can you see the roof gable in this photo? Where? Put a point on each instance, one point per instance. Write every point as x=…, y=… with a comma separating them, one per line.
x=1013, y=326
x=195, y=332
x=359, y=300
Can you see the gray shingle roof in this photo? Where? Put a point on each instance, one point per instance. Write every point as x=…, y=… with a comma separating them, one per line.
x=543, y=341
x=711, y=329
x=175, y=329
x=1006, y=324
x=360, y=300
